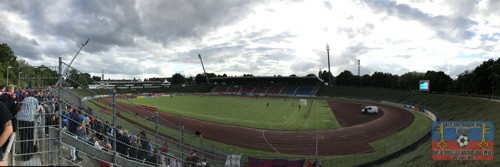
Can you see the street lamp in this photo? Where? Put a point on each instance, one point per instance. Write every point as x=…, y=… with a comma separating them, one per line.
x=8, y=74
x=329, y=72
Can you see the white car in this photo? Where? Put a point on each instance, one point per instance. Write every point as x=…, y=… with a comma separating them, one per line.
x=370, y=109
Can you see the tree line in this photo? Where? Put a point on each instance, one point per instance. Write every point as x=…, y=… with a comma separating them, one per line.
x=484, y=79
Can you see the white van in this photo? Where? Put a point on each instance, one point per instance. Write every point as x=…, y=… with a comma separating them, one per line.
x=370, y=109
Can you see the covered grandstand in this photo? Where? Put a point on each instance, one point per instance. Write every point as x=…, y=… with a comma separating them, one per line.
x=128, y=84
x=273, y=86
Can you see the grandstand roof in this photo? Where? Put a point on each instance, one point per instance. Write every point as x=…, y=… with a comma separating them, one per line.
x=264, y=78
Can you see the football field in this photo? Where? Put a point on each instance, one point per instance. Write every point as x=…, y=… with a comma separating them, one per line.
x=282, y=114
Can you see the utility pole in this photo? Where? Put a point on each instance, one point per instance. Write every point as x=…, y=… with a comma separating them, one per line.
x=329, y=72
x=359, y=68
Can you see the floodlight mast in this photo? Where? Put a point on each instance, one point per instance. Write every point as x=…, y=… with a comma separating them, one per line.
x=74, y=57
x=329, y=72
x=203, y=66
x=359, y=68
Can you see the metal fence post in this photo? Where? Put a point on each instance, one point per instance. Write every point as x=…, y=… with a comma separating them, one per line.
x=113, y=125
x=405, y=141
x=182, y=142
x=201, y=147
x=59, y=97
x=13, y=151
x=157, y=142
x=385, y=151
x=355, y=158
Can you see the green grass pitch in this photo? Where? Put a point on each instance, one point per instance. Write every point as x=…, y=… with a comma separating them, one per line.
x=247, y=112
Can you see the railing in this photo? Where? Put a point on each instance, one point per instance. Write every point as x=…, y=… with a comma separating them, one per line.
x=47, y=140
x=8, y=149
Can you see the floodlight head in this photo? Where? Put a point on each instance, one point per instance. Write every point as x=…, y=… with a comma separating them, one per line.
x=327, y=47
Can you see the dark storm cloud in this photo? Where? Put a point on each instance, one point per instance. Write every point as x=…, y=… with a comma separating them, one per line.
x=116, y=23
x=240, y=50
x=221, y=54
x=450, y=28
x=20, y=44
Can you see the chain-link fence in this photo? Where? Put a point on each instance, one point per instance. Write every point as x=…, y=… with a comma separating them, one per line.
x=64, y=122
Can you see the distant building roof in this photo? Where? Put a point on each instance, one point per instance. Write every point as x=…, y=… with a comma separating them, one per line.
x=266, y=78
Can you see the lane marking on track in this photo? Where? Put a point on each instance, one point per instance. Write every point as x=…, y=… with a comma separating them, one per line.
x=264, y=136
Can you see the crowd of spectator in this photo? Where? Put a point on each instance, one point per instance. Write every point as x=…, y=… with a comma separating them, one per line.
x=30, y=113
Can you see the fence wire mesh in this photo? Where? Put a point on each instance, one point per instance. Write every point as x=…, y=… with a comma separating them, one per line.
x=65, y=122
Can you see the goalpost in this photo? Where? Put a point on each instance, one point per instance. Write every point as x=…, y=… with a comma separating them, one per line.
x=303, y=102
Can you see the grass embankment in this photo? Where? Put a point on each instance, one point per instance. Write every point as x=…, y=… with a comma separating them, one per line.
x=445, y=107
x=282, y=114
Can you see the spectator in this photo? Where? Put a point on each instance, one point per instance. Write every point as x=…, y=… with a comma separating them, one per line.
x=96, y=143
x=5, y=130
x=123, y=142
x=143, y=153
x=52, y=120
x=10, y=100
x=164, y=149
x=192, y=160
x=134, y=142
x=204, y=163
x=107, y=148
x=86, y=120
x=65, y=117
x=76, y=127
x=26, y=120
x=2, y=89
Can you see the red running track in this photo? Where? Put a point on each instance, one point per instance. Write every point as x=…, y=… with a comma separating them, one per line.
x=357, y=130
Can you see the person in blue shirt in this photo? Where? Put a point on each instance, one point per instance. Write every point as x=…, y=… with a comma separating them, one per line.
x=65, y=117
x=76, y=127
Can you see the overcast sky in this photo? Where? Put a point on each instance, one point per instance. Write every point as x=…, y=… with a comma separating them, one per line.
x=270, y=37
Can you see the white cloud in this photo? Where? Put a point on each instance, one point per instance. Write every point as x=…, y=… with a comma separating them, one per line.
x=157, y=39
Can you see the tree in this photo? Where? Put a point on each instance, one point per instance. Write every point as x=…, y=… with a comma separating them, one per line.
x=311, y=75
x=482, y=76
x=366, y=80
x=410, y=80
x=200, y=78
x=464, y=82
x=325, y=76
x=345, y=78
x=439, y=81
x=96, y=78
x=178, y=79
x=190, y=80
x=8, y=59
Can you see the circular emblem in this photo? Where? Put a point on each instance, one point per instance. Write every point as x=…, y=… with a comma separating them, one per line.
x=462, y=140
